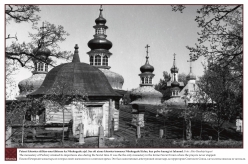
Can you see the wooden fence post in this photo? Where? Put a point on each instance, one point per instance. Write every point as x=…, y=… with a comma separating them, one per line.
x=34, y=133
x=138, y=135
x=110, y=120
x=101, y=140
x=161, y=133
x=81, y=133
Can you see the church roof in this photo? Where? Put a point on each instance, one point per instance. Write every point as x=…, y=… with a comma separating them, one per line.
x=76, y=78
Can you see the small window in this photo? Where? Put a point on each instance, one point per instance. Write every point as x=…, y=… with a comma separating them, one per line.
x=98, y=60
x=46, y=67
x=146, y=80
x=150, y=80
x=40, y=66
x=105, y=60
x=91, y=60
x=142, y=80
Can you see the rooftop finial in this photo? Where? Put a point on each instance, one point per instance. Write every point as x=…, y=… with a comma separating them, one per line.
x=190, y=60
x=174, y=65
x=174, y=62
x=42, y=32
x=147, y=46
x=76, y=58
x=100, y=11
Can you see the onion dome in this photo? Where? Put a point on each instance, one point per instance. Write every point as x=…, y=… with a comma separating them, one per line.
x=99, y=43
x=30, y=85
x=190, y=76
x=175, y=84
x=175, y=102
x=174, y=68
x=43, y=51
x=76, y=78
x=100, y=20
x=147, y=67
x=146, y=95
x=115, y=80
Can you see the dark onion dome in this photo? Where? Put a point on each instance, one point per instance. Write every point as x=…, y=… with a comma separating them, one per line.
x=43, y=51
x=100, y=20
x=115, y=80
x=146, y=95
x=76, y=78
x=174, y=69
x=175, y=84
x=190, y=76
x=99, y=43
x=147, y=67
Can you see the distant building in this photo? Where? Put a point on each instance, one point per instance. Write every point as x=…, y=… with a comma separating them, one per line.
x=32, y=83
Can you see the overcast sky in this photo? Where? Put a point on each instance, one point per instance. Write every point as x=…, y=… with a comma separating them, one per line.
x=131, y=28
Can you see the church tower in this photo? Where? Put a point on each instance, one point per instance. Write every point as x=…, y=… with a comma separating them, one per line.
x=174, y=70
x=174, y=75
x=191, y=78
x=31, y=84
x=99, y=54
x=146, y=94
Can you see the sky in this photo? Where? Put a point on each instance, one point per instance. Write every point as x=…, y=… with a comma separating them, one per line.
x=131, y=28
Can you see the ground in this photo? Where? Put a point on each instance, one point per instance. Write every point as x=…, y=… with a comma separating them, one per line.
x=173, y=127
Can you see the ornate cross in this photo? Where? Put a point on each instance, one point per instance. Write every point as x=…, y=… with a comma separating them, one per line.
x=147, y=46
x=43, y=26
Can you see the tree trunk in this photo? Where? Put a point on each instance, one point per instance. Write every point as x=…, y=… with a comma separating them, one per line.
x=63, y=130
x=188, y=130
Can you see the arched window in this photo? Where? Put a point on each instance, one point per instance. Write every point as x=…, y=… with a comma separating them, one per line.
x=91, y=60
x=105, y=61
x=98, y=60
x=40, y=67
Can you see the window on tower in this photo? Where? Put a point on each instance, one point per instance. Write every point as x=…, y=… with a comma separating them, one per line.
x=142, y=80
x=105, y=61
x=146, y=80
x=91, y=60
x=150, y=80
x=40, y=66
x=46, y=67
x=98, y=60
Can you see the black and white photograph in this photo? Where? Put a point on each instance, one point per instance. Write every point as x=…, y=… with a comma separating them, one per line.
x=108, y=76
